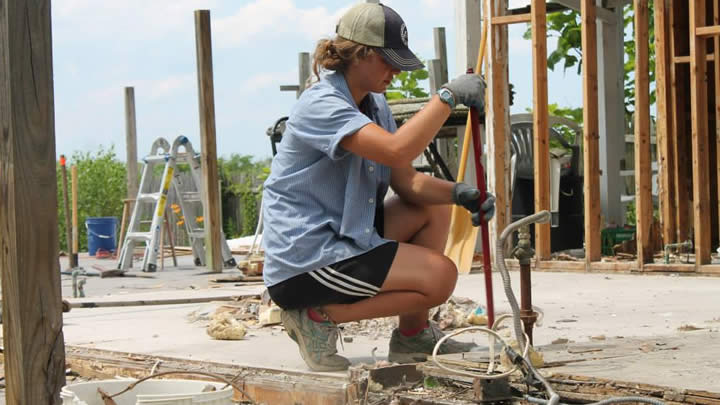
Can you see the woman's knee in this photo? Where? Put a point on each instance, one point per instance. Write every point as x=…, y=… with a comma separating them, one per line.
x=442, y=283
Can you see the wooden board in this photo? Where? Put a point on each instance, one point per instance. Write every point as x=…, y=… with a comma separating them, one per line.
x=131, y=143
x=643, y=174
x=211, y=190
x=34, y=345
x=541, y=130
x=665, y=111
x=591, y=133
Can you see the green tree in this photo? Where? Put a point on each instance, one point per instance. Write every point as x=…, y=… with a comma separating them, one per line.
x=242, y=179
x=102, y=185
x=407, y=85
x=565, y=26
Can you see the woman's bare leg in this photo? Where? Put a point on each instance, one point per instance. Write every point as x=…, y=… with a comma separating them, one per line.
x=421, y=276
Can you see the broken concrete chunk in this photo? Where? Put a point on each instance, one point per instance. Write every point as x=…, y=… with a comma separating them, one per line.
x=224, y=326
x=270, y=315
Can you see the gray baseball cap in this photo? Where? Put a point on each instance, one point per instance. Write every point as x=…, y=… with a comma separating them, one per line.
x=379, y=26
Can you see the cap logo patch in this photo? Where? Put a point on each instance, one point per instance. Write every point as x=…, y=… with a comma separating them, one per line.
x=404, y=34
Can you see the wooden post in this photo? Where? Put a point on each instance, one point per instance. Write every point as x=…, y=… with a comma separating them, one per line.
x=665, y=141
x=34, y=348
x=131, y=143
x=643, y=173
x=435, y=73
x=303, y=71
x=716, y=65
x=75, y=231
x=441, y=53
x=541, y=141
x=700, y=144
x=591, y=141
x=498, y=120
x=66, y=205
x=679, y=75
x=211, y=193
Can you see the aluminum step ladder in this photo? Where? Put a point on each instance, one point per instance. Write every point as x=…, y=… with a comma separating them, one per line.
x=153, y=203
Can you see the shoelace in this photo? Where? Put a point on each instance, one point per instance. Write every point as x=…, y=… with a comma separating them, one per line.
x=335, y=333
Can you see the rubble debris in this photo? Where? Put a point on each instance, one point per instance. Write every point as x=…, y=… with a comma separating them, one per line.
x=224, y=326
x=688, y=328
x=269, y=315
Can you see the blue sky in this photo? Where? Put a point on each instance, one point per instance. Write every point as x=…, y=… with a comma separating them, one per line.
x=99, y=47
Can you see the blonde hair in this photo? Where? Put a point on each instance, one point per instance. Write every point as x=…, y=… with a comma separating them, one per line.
x=338, y=54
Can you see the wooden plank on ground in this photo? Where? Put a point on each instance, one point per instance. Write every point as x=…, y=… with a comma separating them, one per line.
x=665, y=138
x=211, y=190
x=643, y=174
x=591, y=134
x=541, y=130
x=700, y=143
x=34, y=345
x=681, y=131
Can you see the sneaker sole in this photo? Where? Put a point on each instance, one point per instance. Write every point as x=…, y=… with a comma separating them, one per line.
x=293, y=329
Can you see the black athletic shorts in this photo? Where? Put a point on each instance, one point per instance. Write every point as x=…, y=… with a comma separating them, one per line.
x=344, y=282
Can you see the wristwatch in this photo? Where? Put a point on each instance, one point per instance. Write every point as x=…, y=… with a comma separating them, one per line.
x=447, y=97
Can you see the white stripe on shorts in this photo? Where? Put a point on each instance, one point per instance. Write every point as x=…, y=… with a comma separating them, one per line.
x=336, y=288
x=335, y=281
x=360, y=283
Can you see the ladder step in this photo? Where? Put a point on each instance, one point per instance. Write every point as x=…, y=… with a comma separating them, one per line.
x=148, y=197
x=156, y=159
x=139, y=236
x=191, y=196
x=197, y=234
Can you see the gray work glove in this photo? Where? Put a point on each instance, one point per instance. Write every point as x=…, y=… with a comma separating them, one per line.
x=468, y=89
x=469, y=197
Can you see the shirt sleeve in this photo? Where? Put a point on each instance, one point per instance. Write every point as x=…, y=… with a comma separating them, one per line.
x=323, y=122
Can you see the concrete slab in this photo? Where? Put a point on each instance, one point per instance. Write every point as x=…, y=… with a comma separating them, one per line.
x=579, y=307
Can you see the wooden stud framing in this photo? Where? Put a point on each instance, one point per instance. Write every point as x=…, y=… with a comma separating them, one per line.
x=512, y=19
x=34, y=348
x=686, y=59
x=591, y=133
x=708, y=31
x=716, y=72
x=665, y=141
x=211, y=192
x=541, y=141
x=700, y=146
x=131, y=143
x=498, y=119
x=643, y=175
x=680, y=131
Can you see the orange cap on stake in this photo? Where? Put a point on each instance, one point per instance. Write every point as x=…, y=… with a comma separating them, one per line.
x=62, y=160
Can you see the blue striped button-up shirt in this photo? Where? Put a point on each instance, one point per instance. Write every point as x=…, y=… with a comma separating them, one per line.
x=319, y=201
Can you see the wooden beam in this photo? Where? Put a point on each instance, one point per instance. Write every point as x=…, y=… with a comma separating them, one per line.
x=716, y=72
x=686, y=59
x=34, y=347
x=131, y=143
x=440, y=43
x=512, y=19
x=680, y=130
x=708, y=31
x=434, y=67
x=643, y=174
x=700, y=146
x=206, y=93
x=665, y=141
x=591, y=134
x=303, y=72
x=498, y=119
x=75, y=230
x=541, y=130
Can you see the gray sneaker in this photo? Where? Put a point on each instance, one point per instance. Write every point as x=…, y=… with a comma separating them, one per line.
x=316, y=340
x=416, y=348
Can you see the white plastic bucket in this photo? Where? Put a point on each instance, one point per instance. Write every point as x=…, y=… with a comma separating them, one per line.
x=150, y=392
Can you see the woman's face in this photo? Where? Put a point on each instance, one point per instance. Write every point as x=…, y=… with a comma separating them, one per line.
x=374, y=73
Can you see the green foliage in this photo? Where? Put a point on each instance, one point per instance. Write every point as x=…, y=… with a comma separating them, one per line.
x=566, y=27
x=407, y=85
x=242, y=178
x=102, y=186
x=573, y=114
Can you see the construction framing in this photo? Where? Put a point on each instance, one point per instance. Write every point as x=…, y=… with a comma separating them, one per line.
x=686, y=77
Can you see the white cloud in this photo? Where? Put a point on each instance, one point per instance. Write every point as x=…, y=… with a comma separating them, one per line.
x=263, y=19
x=153, y=89
x=268, y=80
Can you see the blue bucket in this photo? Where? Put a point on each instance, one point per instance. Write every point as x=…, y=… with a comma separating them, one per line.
x=101, y=234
